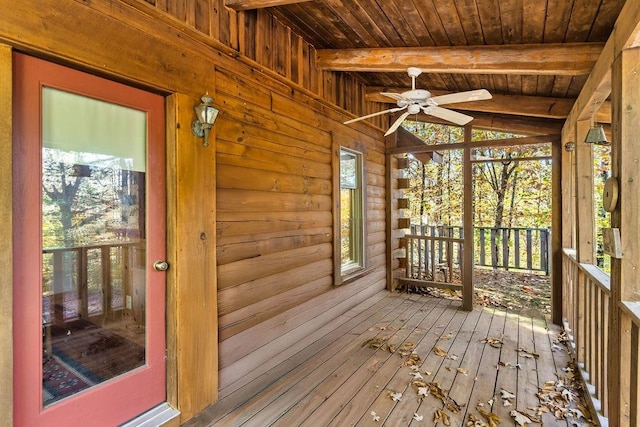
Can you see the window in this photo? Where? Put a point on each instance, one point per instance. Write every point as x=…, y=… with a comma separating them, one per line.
x=351, y=212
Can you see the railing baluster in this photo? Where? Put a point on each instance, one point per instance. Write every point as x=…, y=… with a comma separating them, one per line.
x=516, y=246
x=505, y=248
x=529, y=250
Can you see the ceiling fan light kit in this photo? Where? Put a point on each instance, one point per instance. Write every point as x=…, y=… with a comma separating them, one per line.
x=417, y=100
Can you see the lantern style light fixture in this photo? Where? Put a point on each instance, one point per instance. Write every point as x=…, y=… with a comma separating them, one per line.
x=596, y=135
x=206, y=115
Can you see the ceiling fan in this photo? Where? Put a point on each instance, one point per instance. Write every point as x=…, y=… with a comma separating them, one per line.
x=416, y=100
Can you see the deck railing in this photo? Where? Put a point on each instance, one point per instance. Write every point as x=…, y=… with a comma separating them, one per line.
x=587, y=293
x=435, y=252
x=89, y=281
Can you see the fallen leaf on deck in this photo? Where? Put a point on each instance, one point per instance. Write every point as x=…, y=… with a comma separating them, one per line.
x=374, y=343
x=493, y=420
x=446, y=337
x=406, y=348
x=504, y=394
x=395, y=396
x=418, y=383
x=453, y=357
x=443, y=395
x=439, y=351
x=528, y=353
x=520, y=418
x=417, y=417
x=493, y=342
x=475, y=422
x=463, y=371
x=413, y=360
x=423, y=391
x=375, y=416
x=416, y=375
x=392, y=348
x=441, y=416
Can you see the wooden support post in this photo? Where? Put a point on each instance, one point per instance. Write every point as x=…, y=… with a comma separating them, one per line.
x=192, y=305
x=625, y=282
x=568, y=193
x=557, y=233
x=585, y=219
x=467, y=260
x=6, y=218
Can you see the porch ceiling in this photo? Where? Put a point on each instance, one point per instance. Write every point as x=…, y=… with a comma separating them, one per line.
x=533, y=56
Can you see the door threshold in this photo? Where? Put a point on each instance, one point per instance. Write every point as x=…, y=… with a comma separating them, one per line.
x=161, y=415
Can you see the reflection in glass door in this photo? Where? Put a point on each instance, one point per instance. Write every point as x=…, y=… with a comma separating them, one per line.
x=93, y=238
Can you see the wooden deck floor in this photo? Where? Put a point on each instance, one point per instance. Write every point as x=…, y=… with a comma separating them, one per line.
x=339, y=381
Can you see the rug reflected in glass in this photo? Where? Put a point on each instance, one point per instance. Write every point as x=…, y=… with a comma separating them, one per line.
x=82, y=354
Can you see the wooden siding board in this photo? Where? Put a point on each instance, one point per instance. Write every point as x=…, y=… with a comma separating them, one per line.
x=534, y=13
x=254, y=314
x=269, y=243
x=247, y=271
x=6, y=217
x=512, y=15
x=241, y=223
x=581, y=22
x=333, y=342
x=488, y=12
x=272, y=341
x=239, y=178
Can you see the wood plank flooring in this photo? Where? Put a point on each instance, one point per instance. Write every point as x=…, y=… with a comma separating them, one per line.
x=341, y=381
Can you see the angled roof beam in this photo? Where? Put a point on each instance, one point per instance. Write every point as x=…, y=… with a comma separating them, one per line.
x=565, y=59
x=257, y=4
x=597, y=88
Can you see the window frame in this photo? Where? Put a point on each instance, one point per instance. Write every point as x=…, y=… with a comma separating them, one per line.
x=344, y=272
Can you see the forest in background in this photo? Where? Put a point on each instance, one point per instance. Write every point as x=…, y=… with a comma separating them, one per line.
x=508, y=192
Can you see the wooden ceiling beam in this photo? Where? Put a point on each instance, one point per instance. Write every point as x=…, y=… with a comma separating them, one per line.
x=505, y=123
x=239, y=5
x=564, y=59
x=534, y=106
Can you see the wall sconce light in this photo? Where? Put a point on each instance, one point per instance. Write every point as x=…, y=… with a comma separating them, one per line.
x=206, y=115
x=596, y=136
x=570, y=146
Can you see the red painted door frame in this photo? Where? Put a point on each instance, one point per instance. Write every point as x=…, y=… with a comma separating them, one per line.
x=120, y=399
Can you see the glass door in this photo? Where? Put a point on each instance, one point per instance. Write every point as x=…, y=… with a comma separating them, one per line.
x=90, y=223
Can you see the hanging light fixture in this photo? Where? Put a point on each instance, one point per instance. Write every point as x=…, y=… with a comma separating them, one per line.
x=596, y=134
x=206, y=115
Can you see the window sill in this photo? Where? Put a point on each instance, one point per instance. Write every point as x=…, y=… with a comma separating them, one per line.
x=352, y=275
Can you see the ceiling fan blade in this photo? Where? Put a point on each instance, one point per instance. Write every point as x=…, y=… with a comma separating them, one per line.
x=397, y=123
x=448, y=115
x=390, y=110
x=472, y=95
x=394, y=95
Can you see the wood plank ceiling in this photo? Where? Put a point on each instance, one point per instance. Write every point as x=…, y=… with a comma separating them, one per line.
x=534, y=56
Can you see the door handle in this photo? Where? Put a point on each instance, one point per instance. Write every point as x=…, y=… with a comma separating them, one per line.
x=161, y=266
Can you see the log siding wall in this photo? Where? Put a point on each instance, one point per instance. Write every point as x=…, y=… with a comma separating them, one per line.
x=272, y=164
x=275, y=224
